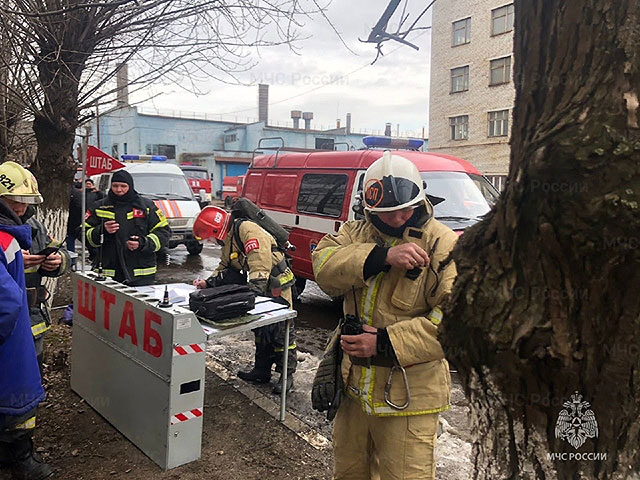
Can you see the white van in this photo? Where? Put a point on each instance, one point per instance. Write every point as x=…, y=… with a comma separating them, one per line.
x=167, y=186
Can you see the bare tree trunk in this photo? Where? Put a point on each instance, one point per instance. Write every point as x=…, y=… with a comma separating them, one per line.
x=55, y=125
x=547, y=301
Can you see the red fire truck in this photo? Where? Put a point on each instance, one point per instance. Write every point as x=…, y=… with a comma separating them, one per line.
x=199, y=179
x=231, y=189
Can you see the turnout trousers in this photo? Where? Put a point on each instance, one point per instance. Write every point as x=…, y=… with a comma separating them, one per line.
x=366, y=447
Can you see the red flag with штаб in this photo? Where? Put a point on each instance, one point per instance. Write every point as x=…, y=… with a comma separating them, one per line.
x=100, y=162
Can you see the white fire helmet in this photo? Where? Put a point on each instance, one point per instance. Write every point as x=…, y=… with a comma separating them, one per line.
x=392, y=183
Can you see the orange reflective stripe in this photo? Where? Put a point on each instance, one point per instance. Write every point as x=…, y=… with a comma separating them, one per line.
x=177, y=205
x=160, y=205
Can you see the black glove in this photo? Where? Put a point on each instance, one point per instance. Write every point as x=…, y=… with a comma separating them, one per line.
x=228, y=276
x=141, y=239
x=326, y=393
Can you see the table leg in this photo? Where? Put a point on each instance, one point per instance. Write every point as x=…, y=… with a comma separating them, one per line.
x=285, y=362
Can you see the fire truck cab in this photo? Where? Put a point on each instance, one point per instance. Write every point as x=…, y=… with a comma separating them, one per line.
x=231, y=189
x=312, y=194
x=199, y=181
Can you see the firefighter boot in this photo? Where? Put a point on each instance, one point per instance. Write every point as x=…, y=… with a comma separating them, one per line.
x=255, y=375
x=277, y=388
x=27, y=464
x=261, y=372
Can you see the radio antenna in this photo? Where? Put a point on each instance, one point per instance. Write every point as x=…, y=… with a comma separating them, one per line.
x=100, y=276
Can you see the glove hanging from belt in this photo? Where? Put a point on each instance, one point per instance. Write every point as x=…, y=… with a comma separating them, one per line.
x=327, y=390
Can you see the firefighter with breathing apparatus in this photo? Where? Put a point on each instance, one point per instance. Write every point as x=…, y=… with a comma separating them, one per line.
x=384, y=371
x=251, y=255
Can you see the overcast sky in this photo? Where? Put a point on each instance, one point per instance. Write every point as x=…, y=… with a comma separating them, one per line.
x=395, y=89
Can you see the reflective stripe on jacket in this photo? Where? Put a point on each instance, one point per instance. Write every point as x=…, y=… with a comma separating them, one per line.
x=141, y=218
x=20, y=385
x=407, y=308
x=41, y=239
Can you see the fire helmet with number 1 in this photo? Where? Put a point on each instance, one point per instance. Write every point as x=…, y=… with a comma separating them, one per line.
x=18, y=184
x=212, y=222
x=392, y=183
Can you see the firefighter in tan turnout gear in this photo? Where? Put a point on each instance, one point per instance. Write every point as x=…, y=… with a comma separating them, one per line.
x=393, y=272
x=250, y=253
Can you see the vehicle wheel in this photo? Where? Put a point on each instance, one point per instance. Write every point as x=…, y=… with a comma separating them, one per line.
x=300, y=284
x=228, y=202
x=194, y=248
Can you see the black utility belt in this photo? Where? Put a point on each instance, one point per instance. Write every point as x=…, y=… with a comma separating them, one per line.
x=37, y=295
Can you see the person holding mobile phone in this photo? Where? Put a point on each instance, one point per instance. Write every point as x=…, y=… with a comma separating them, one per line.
x=127, y=230
x=45, y=258
x=20, y=380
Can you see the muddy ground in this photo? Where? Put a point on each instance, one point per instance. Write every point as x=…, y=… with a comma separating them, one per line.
x=242, y=438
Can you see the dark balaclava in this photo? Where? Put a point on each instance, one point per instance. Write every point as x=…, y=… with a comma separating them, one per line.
x=418, y=219
x=122, y=176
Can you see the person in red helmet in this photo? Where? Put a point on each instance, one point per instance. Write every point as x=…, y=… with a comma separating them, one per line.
x=250, y=254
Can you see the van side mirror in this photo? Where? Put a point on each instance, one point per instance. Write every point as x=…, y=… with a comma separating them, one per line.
x=202, y=195
x=358, y=207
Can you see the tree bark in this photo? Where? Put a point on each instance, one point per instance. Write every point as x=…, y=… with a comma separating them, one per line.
x=547, y=300
x=64, y=51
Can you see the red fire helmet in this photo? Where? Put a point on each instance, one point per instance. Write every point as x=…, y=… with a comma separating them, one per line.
x=212, y=222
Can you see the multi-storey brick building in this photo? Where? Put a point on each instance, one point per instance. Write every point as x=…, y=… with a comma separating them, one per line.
x=472, y=90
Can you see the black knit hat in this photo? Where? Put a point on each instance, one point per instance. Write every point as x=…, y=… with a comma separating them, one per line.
x=122, y=176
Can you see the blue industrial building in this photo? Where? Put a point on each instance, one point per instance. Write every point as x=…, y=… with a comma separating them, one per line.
x=224, y=147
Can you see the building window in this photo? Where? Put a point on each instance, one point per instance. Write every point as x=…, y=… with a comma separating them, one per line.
x=498, y=181
x=500, y=71
x=459, y=79
x=114, y=150
x=325, y=143
x=499, y=123
x=459, y=127
x=322, y=194
x=231, y=138
x=125, y=147
x=168, y=151
x=502, y=20
x=461, y=32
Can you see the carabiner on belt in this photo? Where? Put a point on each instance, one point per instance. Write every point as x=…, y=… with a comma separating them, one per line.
x=387, y=388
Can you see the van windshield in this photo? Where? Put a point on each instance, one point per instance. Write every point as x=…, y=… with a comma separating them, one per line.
x=162, y=185
x=467, y=196
x=199, y=174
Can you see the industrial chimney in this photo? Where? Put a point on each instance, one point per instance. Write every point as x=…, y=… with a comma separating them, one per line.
x=338, y=123
x=348, y=123
x=263, y=103
x=307, y=117
x=387, y=129
x=296, y=115
x=122, y=85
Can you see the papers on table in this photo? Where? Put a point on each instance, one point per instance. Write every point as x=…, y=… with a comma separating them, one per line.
x=178, y=292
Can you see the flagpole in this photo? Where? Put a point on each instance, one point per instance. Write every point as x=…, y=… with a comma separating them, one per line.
x=85, y=150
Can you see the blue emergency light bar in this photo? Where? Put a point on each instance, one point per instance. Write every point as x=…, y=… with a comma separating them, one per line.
x=145, y=158
x=388, y=142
